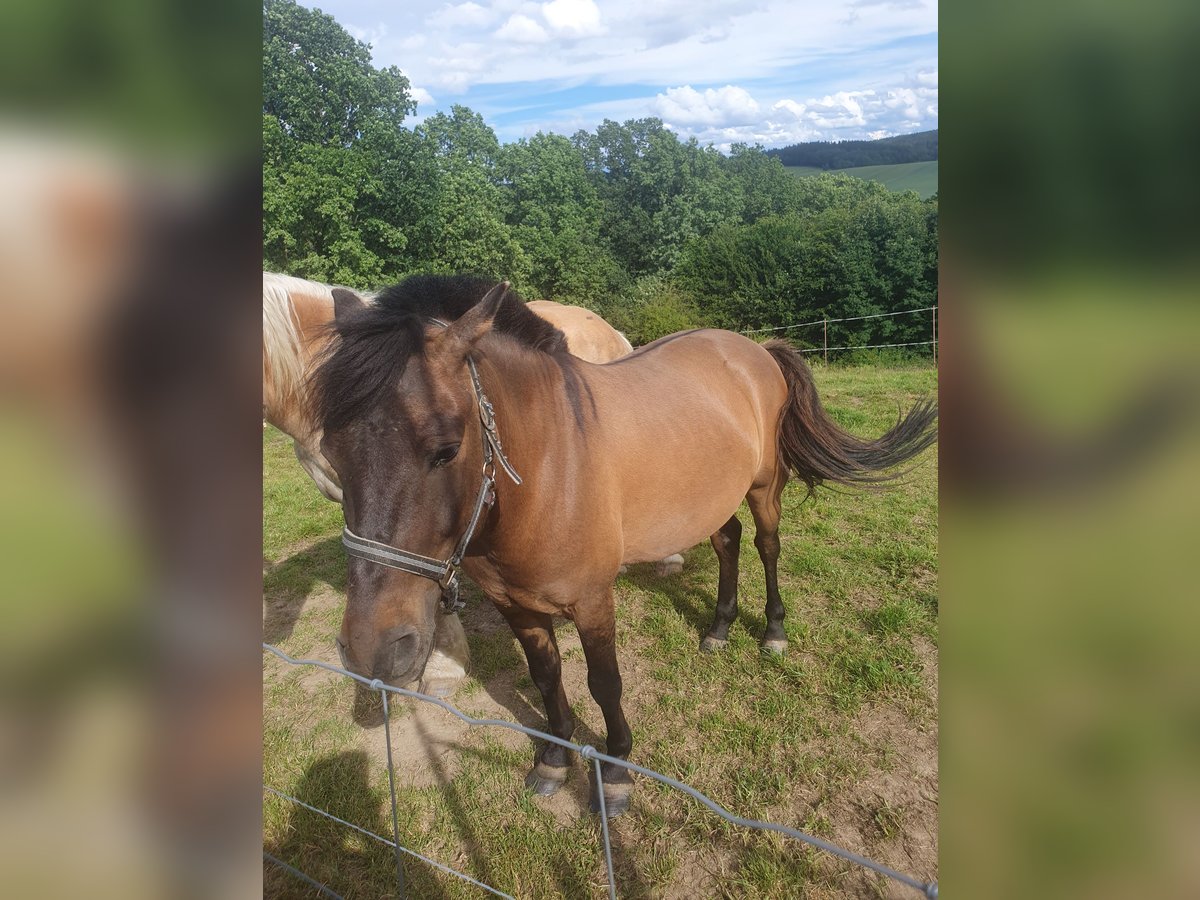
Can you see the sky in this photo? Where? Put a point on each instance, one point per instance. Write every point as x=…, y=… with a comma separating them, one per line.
x=770, y=72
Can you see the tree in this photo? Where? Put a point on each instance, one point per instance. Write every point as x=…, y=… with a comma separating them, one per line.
x=555, y=213
x=858, y=250
x=318, y=81
x=657, y=192
x=466, y=231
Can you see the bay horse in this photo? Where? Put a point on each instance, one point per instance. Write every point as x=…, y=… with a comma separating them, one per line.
x=297, y=315
x=464, y=434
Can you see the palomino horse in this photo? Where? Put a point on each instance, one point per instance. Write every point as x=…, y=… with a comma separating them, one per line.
x=465, y=434
x=296, y=317
x=588, y=336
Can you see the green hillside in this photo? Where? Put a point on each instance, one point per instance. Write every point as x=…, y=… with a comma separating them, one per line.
x=921, y=177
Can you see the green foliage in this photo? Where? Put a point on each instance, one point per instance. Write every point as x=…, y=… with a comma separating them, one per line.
x=903, y=148
x=318, y=81
x=655, y=233
x=555, y=212
x=858, y=251
x=653, y=307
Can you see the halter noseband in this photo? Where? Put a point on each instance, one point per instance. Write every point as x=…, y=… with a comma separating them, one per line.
x=445, y=571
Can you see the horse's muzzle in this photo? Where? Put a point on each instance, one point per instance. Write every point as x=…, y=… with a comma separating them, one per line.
x=401, y=656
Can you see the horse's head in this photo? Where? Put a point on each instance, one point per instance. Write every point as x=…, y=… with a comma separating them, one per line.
x=401, y=428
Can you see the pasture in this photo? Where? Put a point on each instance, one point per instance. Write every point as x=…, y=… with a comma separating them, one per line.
x=838, y=738
x=921, y=177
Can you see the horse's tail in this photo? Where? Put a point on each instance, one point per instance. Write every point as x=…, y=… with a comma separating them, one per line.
x=817, y=450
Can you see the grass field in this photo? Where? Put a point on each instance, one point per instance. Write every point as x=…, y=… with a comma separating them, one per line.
x=839, y=738
x=921, y=177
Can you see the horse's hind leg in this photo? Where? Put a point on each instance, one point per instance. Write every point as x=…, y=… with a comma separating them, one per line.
x=727, y=542
x=765, y=507
x=535, y=631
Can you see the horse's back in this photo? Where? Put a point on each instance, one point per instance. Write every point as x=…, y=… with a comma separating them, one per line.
x=588, y=335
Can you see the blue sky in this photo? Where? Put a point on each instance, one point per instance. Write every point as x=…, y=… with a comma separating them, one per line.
x=773, y=72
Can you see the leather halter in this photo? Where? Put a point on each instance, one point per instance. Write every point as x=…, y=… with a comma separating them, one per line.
x=445, y=571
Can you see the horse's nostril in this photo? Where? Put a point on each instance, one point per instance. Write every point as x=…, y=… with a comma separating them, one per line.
x=404, y=652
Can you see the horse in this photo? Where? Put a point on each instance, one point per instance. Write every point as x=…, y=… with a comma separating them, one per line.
x=296, y=317
x=297, y=314
x=465, y=435
x=588, y=336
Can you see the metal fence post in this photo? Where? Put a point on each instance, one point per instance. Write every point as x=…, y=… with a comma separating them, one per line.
x=933, y=313
x=825, y=339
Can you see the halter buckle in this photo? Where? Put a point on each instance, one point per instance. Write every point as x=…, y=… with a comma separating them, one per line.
x=450, y=601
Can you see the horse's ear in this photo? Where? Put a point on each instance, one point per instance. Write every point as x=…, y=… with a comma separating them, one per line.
x=346, y=304
x=477, y=321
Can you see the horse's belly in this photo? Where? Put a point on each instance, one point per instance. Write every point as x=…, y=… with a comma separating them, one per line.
x=673, y=513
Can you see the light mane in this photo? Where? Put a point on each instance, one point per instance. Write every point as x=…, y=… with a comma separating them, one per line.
x=284, y=361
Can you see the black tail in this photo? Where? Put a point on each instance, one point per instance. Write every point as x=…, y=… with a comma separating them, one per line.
x=817, y=450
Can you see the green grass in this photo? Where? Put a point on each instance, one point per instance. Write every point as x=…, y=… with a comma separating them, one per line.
x=921, y=177
x=838, y=737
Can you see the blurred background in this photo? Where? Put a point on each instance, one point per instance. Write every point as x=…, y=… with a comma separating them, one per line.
x=1069, y=382
x=130, y=517
x=130, y=449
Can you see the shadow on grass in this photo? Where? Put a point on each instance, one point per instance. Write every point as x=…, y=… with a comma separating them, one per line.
x=288, y=583
x=693, y=593
x=347, y=862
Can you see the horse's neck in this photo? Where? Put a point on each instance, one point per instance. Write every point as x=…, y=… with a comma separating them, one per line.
x=534, y=409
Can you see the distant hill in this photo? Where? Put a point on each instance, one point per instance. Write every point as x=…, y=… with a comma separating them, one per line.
x=921, y=177
x=827, y=155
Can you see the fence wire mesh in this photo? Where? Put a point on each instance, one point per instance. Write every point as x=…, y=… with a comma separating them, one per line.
x=585, y=752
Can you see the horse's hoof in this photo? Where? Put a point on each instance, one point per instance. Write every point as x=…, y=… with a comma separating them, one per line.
x=711, y=644
x=672, y=565
x=616, y=799
x=545, y=780
x=442, y=676
x=775, y=648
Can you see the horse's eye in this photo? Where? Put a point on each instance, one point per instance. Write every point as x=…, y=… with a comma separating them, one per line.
x=445, y=455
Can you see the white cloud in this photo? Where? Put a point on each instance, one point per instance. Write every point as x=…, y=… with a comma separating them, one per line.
x=458, y=68
x=796, y=109
x=574, y=18
x=522, y=30
x=724, y=106
x=422, y=96
x=373, y=35
x=791, y=70
x=468, y=15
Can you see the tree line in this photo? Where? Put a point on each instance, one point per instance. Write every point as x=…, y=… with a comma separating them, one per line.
x=655, y=233
x=903, y=148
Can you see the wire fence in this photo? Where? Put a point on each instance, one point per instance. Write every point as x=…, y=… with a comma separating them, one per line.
x=585, y=752
x=825, y=323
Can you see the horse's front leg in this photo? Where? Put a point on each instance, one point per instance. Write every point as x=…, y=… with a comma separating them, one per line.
x=535, y=631
x=597, y=633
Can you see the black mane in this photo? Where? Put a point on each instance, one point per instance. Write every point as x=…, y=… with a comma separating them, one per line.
x=370, y=350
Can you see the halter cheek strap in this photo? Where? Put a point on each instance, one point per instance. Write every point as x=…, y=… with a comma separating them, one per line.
x=445, y=571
